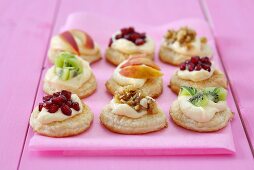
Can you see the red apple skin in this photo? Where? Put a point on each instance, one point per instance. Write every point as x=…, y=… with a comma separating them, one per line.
x=89, y=41
x=68, y=37
x=139, y=60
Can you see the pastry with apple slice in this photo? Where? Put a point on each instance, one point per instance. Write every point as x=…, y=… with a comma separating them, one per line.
x=139, y=72
x=180, y=45
x=127, y=42
x=201, y=110
x=76, y=42
x=199, y=73
x=70, y=73
x=132, y=112
x=61, y=114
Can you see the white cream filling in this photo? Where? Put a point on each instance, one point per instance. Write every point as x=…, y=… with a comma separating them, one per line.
x=45, y=117
x=195, y=75
x=74, y=83
x=124, y=81
x=198, y=48
x=128, y=111
x=129, y=47
x=200, y=114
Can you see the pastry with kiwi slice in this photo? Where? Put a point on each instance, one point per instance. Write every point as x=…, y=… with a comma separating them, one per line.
x=132, y=112
x=139, y=72
x=201, y=110
x=181, y=44
x=61, y=114
x=76, y=42
x=127, y=42
x=70, y=73
x=198, y=72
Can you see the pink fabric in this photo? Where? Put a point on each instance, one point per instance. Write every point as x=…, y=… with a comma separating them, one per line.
x=170, y=141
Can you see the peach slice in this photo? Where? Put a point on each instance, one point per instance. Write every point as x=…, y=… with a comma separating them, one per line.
x=68, y=37
x=140, y=71
x=140, y=60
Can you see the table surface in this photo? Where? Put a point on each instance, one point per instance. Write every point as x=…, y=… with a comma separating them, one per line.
x=26, y=28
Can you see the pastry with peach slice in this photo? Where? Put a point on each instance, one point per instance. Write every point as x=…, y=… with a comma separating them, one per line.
x=70, y=73
x=132, y=112
x=139, y=72
x=76, y=42
x=127, y=42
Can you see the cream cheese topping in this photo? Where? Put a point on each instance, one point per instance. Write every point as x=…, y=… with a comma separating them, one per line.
x=73, y=83
x=124, y=81
x=126, y=110
x=200, y=114
x=129, y=47
x=196, y=75
x=198, y=48
x=45, y=117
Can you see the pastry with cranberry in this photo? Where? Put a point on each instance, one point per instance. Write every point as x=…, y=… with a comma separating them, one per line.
x=76, y=42
x=180, y=45
x=199, y=73
x=61, y=114
x=201, y=110
x=139, y=72
x=70, y=73
x=132, y=112
x=127, y=42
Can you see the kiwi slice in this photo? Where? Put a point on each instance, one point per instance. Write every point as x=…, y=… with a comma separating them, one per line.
x=73, y=62
x=216, y=94
x=199, y=99
x=59, y=62
x=187, y=91
x=67, y=66
x=65, y=74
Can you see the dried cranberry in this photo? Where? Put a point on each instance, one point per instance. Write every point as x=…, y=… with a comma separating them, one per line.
x=183, y=66
x=205, y=67
x=66, y=110
x=131, y=30
x=194, y=60
x=40, y=106
x=69, y=103
x=47, y=104
x=53, y=108
x=198, y=67
x=124, y=31
x=47, y=98
x=119, y=36
x=56, y=94
x=75, y=106
x=139, y=41
x=143, y=35
x=66, y=93
x=205, y=59
x=191, y=67
x=59, y=100
x=134, y=36
x=110, y=42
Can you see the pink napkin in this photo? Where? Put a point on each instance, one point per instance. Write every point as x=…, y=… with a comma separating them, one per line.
x=170, y=141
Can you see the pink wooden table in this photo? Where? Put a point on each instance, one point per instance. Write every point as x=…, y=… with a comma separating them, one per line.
x=26, y=27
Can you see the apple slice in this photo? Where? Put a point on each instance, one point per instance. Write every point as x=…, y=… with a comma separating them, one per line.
x=84, y=37
x=139, y=60
x=68, y=37
x=140, y=71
